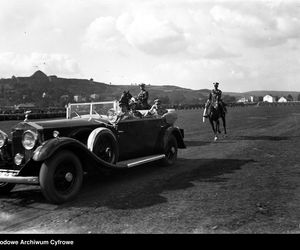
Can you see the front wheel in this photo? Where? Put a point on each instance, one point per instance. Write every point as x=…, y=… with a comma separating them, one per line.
x=5, y=187
x=170, y=151
x=61, y=177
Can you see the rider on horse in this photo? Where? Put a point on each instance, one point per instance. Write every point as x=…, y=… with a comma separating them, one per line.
x=215, y=96
x=143, y=96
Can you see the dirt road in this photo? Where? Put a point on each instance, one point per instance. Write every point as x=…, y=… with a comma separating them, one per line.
x=247, y=182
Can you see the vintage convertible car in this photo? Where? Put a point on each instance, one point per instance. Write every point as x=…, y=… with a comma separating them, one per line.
x=56, y=153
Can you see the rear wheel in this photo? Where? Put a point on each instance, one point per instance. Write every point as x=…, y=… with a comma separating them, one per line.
x=61, y=177
x=170, y=151
x=5, y=187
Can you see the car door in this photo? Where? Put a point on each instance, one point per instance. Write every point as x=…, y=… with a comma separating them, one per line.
x=150, y=133
x=138, y=137
x=128, y=137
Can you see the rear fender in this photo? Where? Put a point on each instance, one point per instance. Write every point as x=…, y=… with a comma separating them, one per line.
x=178, y=133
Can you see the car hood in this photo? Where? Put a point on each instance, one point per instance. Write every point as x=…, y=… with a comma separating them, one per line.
x=59, y=123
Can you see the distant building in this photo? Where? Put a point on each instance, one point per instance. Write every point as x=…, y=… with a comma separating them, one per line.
x=24, y=106
x=94, y=97
x=282, y=99
x=243, y=99
x=64, y=97
x=269, y=98
x=52, y=78
x=251, y=99
x=79, y=98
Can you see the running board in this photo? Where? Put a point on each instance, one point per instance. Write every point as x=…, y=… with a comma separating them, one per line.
x=19, y=179
x=139, y=161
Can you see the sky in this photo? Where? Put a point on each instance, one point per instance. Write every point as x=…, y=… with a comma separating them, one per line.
x=242, y=44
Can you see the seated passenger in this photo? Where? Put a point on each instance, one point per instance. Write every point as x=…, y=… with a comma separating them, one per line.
x=123, y=114
x=133, y=112
x=157, y=109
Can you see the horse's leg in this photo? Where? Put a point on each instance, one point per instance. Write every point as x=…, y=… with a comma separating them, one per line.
x=213, y=128
x=224, y=124
x=212, y=125
x=218, y=126
x=216, y=130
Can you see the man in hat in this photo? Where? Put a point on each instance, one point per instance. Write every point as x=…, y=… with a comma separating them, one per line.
x=215, y=95
x=143, y=96
x=157, y=109
x=123, y=113
x=133, y=112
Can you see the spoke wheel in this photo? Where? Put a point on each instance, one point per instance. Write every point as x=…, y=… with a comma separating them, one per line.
x=105, y=147
x=61, y=177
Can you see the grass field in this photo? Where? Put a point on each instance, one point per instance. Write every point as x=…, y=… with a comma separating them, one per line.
x=247, y=182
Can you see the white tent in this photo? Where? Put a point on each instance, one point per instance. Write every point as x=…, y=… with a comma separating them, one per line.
x=268, y=98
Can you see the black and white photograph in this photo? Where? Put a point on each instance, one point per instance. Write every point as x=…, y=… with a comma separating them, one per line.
x=148, y=117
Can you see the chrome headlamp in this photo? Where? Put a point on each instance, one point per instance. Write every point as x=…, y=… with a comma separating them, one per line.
x=29, y=139
x=3, y=138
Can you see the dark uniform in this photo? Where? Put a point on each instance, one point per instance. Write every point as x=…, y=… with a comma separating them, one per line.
x=143, y=96
x=123, y=114
x=214, y=96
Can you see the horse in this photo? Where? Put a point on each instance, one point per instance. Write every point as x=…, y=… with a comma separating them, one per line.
x=216, y=112
x=125, y=98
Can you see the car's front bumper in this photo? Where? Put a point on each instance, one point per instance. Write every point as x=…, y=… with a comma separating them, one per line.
x=11, y=176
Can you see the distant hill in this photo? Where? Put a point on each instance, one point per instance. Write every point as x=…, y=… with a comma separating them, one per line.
x=258, y=93
x=43, y=90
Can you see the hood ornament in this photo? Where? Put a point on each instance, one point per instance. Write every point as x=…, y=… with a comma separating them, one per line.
x=55, y=134
x=26, y=115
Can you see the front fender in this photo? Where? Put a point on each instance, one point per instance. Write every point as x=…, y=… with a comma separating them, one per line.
x=50, y=147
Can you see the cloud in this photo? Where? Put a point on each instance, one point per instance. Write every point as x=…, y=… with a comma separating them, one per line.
x=170, y=41
x=26, y=64
x=219, y=52
x=151, y=33
x=18, y=14
x=194, y=29
x=102, y=33
x=267, y=26
x=141, y=26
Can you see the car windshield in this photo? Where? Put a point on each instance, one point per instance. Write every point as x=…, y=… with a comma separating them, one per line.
x=111, y=111
x=94, y=109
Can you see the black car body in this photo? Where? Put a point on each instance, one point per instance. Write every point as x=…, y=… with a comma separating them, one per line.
x=55, y=153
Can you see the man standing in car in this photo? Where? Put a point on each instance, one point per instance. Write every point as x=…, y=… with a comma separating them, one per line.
x=143, y=96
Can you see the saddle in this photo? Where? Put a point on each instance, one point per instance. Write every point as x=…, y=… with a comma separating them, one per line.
x=216, y=107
